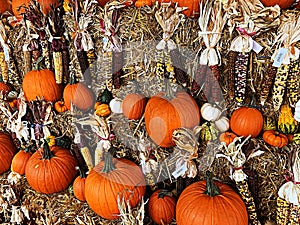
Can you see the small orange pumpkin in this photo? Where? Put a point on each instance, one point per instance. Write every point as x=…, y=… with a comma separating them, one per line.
x=4, y=87
x=60, y=107
x=78, y=185
x=102, y=110
x=140, y=3
x=133, y=106
x=227, y=137
x=7, y=152
x=19, y=161
x=284, y=4
x=274, y=138
x=5, y=5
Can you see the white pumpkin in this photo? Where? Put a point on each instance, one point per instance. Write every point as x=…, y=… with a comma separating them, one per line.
x=297, y=112
x=222, y=124
x=115, y=105
x=210, y=112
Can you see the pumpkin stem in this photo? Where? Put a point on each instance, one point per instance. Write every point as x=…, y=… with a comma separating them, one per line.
x=82, y=174
x=72, y=79
x=169, y=94
x=163, y=192
x=47, y=152
x=108, y=163
x=211, y=189
x=38, y=63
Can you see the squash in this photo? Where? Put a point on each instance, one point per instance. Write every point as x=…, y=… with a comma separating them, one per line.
x=115, y=105
x=60, y=106
x=102, y=109
x=7, y=152
x=274, y=138
x=246, y=121
x=5, y=5
x=286, y=122
x=227, y=137
x=209, y=112
x=222, y=124
x=284, y=4
x=133, y=106
x=20, y=160
x=79, y=185
x=209, y=203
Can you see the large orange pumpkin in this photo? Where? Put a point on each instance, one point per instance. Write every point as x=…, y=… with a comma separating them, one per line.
x=246, y=121
x=110, y=179
x=19, y=161
x=50, y=169
x=79, y=95
x=133, y=106
x=41, y=83
x=165, y=113
x=284, y=4
x=7, y=152
x=161, y=207
x=5, y=6
x=210, y=203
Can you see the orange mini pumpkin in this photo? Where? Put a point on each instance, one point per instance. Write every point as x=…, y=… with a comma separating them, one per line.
x=79, y=185
x=60, y=107
x=133, y=106
x=227, y=137
x=7, y=152
x=102, y=110
x=274, y=138
x=284, y=4
x=19, y=161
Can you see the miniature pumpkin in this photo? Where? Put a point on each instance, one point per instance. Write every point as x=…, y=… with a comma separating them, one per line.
x=115, y=105
x=118, y=177
x=60, y=106
x=79, y=185
x=246, y=121
x=7, y=152
x=227, y=137
x=210, y=112
x=102, y=110
x=286, y=122
x=274, y=138
x=204, y=202
x=50, y=169
x=168, y=111
x=222, y=124
x=284, y=4
x=78, y=94
x=42, y=84
x=5, y=6
x=133, y=106
x=19, y=161
x=161, y=207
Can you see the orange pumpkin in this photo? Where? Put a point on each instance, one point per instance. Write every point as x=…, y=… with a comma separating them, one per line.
x=102, y=110
x=79, y=185
x=227, y=137
x=166, y=112
x=274, y=138
x=50, y=169
x=7, y=152
x=140, y=3
x=42, y=84
x=133, y=106
x=284, y=4
x=161, y=207
x=79, y=95
x=19, y=161
x=5, y=5
x=4, y=87
x=60, y=107
x=246, y=121
x=209, y=203
x=118, y=177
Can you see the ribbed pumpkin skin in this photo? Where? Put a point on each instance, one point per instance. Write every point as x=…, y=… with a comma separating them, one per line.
x=275, y=139
x=5, y=6
x=19, y=162
x=246, y=121
x=163, y=116
x=133, y=106
x=161, y=209
x=79, y=95
x=102, y=189
x=284, y=4
x=41, y=83
x=51, y=175
x=227, y=137
x=195, y=208
x=7, y=151
x=45, y=5
x=4, y=88
x=78, y=188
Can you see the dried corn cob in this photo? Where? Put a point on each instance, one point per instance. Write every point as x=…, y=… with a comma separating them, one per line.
x=4, y=67
x=216, y=91
x=294, y=214
x=178, y=63
x=35, y=47
x=160, y=65
x=66, y=61
x=279, y=86
x=151, y=181
x=232, y=55
x=87, y=157
x=117, y=68
x=91, y=57
x=58, y=66
x=26, y=59
x=199, y=79
x=282, y=211
x=293, y=83
x=246, y=195
x=82, y=59
x=98, y=155
x=45, y=53
x=240, y=77
x=267, y=83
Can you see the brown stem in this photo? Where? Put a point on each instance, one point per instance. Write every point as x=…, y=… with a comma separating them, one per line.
x=169, y=94
x=163, y=192
x=211, y=189
x=47, y=154
x=108, y=163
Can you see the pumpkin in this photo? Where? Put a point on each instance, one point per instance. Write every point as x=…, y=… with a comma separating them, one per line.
x=50, y=169
x=209, y=203
x=60, y=107
x=246, y=121
x=227, y=137
x=168, y=111
x=210, y=112
x=222, y=124
x=133, y=106
x=4, y=87
x=102, y=110
x=161, y=207
x=7, y=152
x=119, y=178
x=141, y=3
x=19, y=161
x=79, y=185
x=42, y=84
x=274, y=138
x=5, y=6
x=115, y=105
x=78, y=94
x=45, y=5
x=286, y=122
x=284, y=4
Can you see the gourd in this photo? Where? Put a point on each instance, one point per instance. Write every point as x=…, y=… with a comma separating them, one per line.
x=210, y=112
x=60, y=106
x=286, y=122
x=7, y=152
x=227, y=137
x=274, y=138
x=222, y=124
x=102, y=109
